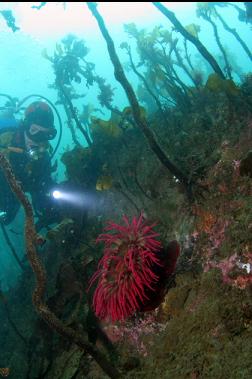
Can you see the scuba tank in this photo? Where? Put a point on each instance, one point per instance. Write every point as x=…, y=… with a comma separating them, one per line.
x=6, y=123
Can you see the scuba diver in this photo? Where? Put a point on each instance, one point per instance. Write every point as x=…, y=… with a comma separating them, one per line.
x=26, y=145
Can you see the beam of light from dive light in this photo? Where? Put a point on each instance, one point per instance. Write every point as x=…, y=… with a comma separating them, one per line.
x=76, y=198
x=64, y=195
x=57, y=194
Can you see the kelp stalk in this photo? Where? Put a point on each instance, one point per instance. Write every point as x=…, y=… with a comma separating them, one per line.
x=40, y=274
x=159, y=105
x=205, y=14
x=195, y=41
x=69, y=119
x=173, y=85
x=182, y=65
x=73, y=112
x=188, y=59
x=136, y=111
x=235, y=34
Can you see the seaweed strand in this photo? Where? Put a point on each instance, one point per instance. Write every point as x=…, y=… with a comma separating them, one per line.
x=159, y=105
x=39, y=293
x=207, y=17
x=140, y=121
x=235, y=34
x=72, y=110
x=200, y=47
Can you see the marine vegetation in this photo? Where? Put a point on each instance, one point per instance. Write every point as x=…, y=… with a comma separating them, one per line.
x=10, y=20
x=136, y=111
x=39, y=293
x=152, y=277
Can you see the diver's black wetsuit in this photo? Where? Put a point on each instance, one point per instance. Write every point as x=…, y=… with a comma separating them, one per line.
x=35, y=178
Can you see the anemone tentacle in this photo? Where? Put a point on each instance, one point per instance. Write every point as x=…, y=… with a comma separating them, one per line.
x=124, y=273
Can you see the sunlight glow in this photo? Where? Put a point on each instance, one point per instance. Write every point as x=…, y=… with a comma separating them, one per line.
x=58, y=18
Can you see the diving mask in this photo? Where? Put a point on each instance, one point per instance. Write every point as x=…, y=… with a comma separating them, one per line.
x=38, y=133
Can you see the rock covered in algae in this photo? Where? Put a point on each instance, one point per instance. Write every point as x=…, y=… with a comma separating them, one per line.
x=208, y=334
